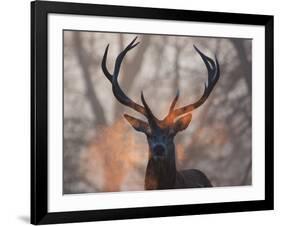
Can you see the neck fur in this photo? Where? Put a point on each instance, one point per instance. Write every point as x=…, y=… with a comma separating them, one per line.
x=161, y=174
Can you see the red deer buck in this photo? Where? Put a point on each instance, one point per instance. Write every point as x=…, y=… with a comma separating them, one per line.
x=161, y=171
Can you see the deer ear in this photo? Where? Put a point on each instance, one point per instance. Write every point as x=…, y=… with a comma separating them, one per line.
x=138, y=124
x=182, y=123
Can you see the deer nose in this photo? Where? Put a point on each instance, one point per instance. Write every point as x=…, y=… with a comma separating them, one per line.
x=159, y=150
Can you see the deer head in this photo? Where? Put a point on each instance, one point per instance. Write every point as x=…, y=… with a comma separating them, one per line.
x=160, y=133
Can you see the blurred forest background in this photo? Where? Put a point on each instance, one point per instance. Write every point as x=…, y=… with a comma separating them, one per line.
x=102, y=152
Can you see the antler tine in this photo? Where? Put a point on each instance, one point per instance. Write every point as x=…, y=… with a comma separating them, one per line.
x=121, y=56
x=169, y=119
x=118, y=60
x=151, y=118
x=103, y=64
x=213, y=76
x=117, y=91
x=174, y=102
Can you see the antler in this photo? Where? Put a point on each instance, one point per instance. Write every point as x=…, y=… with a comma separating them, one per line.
x=117, y=91
x=213, y=76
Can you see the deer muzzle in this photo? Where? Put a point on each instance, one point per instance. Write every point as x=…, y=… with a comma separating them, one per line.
x=159, y=150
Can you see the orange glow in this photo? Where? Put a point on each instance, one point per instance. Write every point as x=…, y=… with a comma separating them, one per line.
x=181, y=156
x=114, y=153
x=116, y=158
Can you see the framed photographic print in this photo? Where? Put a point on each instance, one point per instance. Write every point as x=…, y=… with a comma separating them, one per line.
x=144, y=112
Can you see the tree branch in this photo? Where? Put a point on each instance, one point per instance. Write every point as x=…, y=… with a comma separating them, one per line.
x=82, y=58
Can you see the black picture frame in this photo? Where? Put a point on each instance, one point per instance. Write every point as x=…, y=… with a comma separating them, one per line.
x=39, y=111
